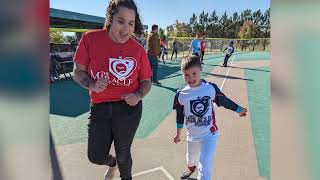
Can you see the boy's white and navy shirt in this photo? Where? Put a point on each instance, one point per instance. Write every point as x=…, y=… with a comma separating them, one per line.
x=230, y=50
x=194, y=105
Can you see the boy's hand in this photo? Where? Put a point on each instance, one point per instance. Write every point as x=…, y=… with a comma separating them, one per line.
x=176, y=139
x=243, y=112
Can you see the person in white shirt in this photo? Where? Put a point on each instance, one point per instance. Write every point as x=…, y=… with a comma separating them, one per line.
x=194, y=105
x=230, y=51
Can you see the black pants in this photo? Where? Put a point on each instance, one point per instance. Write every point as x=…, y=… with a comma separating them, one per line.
x=202, y=54
x=196, y=54
x=225, y=63
x=174, y=51
x=113, y=122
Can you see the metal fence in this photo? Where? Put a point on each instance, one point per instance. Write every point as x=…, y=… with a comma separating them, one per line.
x=217, y=45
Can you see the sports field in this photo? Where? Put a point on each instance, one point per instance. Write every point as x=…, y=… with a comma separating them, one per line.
x=243, y=149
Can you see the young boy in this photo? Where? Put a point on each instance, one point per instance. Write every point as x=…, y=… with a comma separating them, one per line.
x=194, y=103
x=230, y=49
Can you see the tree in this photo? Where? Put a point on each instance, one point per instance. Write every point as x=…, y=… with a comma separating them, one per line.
x=225, y=26
x=170, y=30
x=195, y=27
x=183, y=29
x=266, y=24
x=56, y=37
x=245, y=16
x=258, y=20
x=213, y=26
x=224, y=23
x=161, y=34
x=248, y=30
x=234, y=25
x=266, y=28
x=203, y=22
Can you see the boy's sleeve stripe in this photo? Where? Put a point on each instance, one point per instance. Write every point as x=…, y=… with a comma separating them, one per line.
x=179, y=126
x=239, y=109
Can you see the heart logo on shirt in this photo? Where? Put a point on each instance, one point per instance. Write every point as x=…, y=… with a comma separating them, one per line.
x=200, y=106
x=122, y=68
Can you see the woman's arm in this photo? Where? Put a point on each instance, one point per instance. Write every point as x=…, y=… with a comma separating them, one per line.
x=133, y=98
x=144, y=88
x=80, y=75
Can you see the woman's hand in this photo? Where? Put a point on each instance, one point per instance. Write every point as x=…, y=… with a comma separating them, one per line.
x=132, y=99
x=99, y=86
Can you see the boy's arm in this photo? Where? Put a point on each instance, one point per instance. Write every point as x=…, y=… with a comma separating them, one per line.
x=222, y=100
x=180, y=117
x=224, y=49
x=180, y=112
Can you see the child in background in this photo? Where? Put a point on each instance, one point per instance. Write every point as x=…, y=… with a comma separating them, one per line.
x=163, y=50
x=230, y=51
x=194, y=102
x=203, y=48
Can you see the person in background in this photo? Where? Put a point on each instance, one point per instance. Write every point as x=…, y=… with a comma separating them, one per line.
x=174, y=48
x=163, y=50
x=230, y=51
x=153, y=51
x=203, y=48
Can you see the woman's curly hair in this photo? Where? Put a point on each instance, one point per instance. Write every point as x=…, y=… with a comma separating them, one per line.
x=113, y=9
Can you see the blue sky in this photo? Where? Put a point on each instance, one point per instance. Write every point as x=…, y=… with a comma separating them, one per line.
x=164, y=12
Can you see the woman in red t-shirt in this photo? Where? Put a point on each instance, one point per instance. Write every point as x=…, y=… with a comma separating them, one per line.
x=116, y=71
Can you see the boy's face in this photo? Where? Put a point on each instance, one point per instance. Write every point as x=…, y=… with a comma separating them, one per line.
x=192, y=76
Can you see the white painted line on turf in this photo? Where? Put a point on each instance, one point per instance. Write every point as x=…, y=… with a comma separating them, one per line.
x=225, y=77
x=166, y=173
x=160, y=168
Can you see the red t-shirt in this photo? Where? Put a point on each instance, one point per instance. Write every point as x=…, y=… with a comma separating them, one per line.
x=123, y=64
x=203, y=45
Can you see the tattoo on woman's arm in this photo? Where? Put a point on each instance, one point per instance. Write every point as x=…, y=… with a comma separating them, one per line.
x=85, y=82
x=140, y=93
x=144, y=88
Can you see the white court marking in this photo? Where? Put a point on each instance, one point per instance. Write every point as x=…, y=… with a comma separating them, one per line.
x=225, y=77
x=160, y=168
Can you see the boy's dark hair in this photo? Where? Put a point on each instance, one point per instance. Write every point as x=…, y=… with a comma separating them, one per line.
x=153, y=27
x=113, y=8
x=192, y=61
